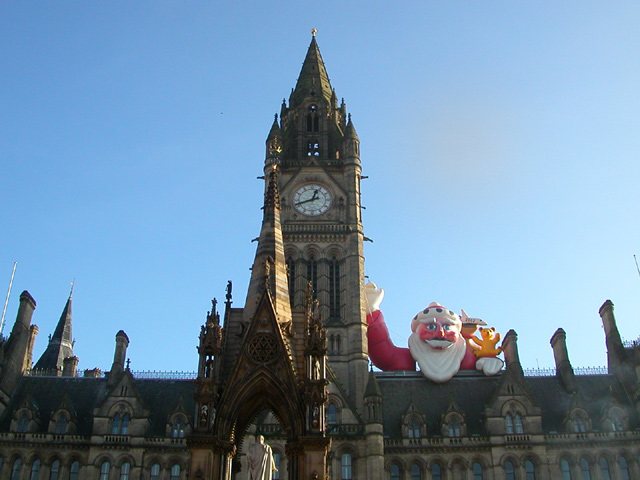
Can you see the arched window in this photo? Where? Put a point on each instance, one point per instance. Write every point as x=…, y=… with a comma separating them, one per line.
x=508, y=424
x=517, y=423
x=124, y=430
x=416, y=472
x=477, y=471
x=338, y=344
x=585, y=469
x=276, y=461
x=332, y=414
x=120, y=424
x=529, y=470
x=436, y=472
x=579, y=423
x=453, y=427
x=345, y=466
x=509, y=471
x=124, y=471
x=74, y=471
x=624, y=469
x=394, y=471
x=15, y=470
x=55, y=470
x=23, y=423
x=62, y=424
x=115, y=424
x=413, y=430
x=35, y=470
x=177, y=431
x=565, y=469
x=617, y=425
x=604, y=469
x=175, y=472
x=155, y=472
x=104, y=470
x=334, y=288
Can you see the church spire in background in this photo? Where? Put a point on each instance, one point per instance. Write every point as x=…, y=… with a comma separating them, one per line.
x=61, y=343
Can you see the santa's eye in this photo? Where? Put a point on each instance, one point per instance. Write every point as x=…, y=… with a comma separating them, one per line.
x=431, y=326
x=446, y=327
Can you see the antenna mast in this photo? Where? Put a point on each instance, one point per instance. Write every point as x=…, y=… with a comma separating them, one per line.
x=634, y=257
x=6, y=302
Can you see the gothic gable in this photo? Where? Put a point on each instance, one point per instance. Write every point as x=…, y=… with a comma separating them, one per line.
x=264, y=376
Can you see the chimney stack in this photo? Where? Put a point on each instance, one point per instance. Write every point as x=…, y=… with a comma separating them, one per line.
x=563, y=367
x=615, y=349
x=70, y=366
x=122, y=342
x=510, y=350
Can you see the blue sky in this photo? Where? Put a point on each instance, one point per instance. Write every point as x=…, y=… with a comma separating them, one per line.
x=500, y=139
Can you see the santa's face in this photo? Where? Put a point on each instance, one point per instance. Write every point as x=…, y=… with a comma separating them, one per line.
x=439, y=334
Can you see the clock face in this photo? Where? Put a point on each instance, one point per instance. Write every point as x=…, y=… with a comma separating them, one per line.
x=312, y=199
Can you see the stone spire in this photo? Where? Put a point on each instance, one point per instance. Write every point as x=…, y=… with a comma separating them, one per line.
x=313, y=80
x=61, y=343
x=269, y=271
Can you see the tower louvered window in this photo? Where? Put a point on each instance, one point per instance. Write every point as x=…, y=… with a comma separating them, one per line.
x=312, y=276
x=334, y=289
x=313, y=121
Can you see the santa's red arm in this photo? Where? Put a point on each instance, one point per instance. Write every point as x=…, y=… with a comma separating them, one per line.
x=383, y=353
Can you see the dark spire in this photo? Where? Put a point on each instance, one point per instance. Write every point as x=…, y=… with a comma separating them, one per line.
x=351, y=130
x=372, y=389
x=275, y=129
x=269, y=271
x=313, y=80
x=274, y=144
x=61, y=343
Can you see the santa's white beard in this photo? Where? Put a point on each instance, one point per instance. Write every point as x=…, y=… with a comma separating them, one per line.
x=438, y=365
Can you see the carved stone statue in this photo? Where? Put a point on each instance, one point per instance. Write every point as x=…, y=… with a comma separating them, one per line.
x=260, y=460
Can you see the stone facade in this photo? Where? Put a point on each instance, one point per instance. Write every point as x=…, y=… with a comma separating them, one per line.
x=292, y=365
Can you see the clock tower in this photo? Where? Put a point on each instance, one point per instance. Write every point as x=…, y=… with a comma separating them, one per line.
x=317, y=151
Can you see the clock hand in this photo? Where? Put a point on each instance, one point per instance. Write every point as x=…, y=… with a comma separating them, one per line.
x=315, y=196
x=307, y=200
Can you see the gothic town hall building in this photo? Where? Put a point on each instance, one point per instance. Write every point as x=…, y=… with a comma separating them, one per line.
x=292, y=365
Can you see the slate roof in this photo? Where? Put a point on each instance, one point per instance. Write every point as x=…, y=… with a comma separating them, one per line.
x=472, y=392
x=160, y=397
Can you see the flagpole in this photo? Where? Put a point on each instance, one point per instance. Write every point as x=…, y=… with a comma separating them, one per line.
x=6, y=302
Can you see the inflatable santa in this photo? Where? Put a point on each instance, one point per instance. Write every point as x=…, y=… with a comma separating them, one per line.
x=439, y=342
